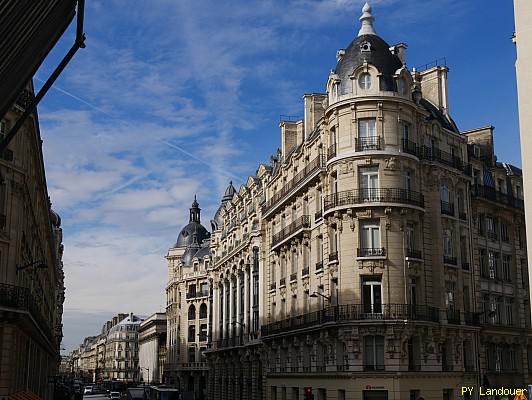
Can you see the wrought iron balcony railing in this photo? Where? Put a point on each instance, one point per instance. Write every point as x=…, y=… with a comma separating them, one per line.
x=411, y=253
x=319, y=266
x=371, y=252
x=293, y=277
x=305, y=271
x=299, y=224
x=282, y=282
x=447, y=208
x=331, y=151
x=488, y=193
x=371, y=195
x=20, y=298
x=410, y=147
x=450, y=260
x=333, y=256
x=352, y=312
x=318, y=215
x=368, y=143
x=315, y=165
x=442, y=157
x=453, y=316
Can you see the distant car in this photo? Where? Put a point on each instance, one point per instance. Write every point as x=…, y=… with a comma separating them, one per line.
x=88, y=390
x=115, y=395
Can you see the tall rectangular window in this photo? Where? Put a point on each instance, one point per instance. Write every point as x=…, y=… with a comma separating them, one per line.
x=368, y=183
x=408, y=180
x=367, y=129
x=374, y=353
x=410, y=237
x=372, y=294
x=506, y=267
x=370, y=239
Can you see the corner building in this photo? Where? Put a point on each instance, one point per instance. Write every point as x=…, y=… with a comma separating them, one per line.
x=393, y=256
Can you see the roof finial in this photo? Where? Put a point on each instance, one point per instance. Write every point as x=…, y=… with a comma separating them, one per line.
x=367, y=21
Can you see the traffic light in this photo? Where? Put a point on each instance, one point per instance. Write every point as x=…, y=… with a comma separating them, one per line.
x=308, y=393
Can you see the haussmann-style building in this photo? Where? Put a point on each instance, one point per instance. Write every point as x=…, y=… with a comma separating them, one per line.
x=381, y=254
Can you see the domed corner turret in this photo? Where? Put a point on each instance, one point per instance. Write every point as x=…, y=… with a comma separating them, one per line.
x=193, y=231
x=368, y=64
x=229, y=193
x=55, y=219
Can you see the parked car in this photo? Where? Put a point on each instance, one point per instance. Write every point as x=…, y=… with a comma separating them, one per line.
x=88, y=390
x=115, y=395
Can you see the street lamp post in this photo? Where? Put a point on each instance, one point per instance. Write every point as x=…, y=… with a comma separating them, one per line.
x=147, y=369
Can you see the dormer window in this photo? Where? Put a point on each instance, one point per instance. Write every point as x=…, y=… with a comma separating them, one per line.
x=401, y=86
x=365, y=46
x=364, y=81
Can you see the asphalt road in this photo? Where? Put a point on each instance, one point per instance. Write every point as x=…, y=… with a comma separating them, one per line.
x=95, y=397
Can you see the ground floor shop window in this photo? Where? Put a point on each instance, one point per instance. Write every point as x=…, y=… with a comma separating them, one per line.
x=375, y=395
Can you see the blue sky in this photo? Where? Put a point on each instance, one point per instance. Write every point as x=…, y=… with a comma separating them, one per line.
x=173, y=98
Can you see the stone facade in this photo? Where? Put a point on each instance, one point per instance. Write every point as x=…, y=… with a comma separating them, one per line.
x=152, y=348
x=188, y=307
x=390, y=248
x=523, y=40
x=31, y=269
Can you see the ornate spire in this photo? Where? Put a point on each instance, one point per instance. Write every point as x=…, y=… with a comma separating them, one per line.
x=195, y=211
x=366, y=20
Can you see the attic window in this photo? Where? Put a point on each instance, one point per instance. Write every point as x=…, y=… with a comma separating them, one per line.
x=365, y=46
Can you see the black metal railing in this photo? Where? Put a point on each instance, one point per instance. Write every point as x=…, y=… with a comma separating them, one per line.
x=410, y=147
x=331, y=151
x=353, y=312
x=371, y=252
x=333, y=256
x=319, y=266
x=300, y=223
x=305, y=271
x=453, y=316
x=317, y=215
x=442, y=157
x=491, y=194
x=413, y=253
x=462, y=215
x=465, y=265
x=293, y=277
x=20, y=298
x=447, y=208
x=450, y=260
x=373, y=195
x=315, y=165
x=193, y=295
x=492, y=235
x=368, y=143
x=282, y=282
x=471, y=318
x=273, y=285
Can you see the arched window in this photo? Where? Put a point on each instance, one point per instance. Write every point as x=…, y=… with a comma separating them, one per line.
x=203, y=311
x=364, y=81
x=191, y=312
x=445, y=194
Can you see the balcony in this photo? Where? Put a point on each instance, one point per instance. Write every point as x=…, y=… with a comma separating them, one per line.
x=492, y=235
x=488, y=193
x=305, y=271
x=465, y=265
x=447, y=208
x=318, y=215
x=450, y=260
x=273, y=286
x=331, y=151
x=410, y=147
x=462, y=215
x=319, y=266
x=20, y=299
x=195, y=295
x=411, y=253
x=369, y=252
x=293, y=277
x=282, y=282
x=370, y=195
x=442, y=157
x=368, y=143
x=352, y=312
x=453, y=316
x=297, y=226
x=471, y=319
x=333, y=257
x=311, y=168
